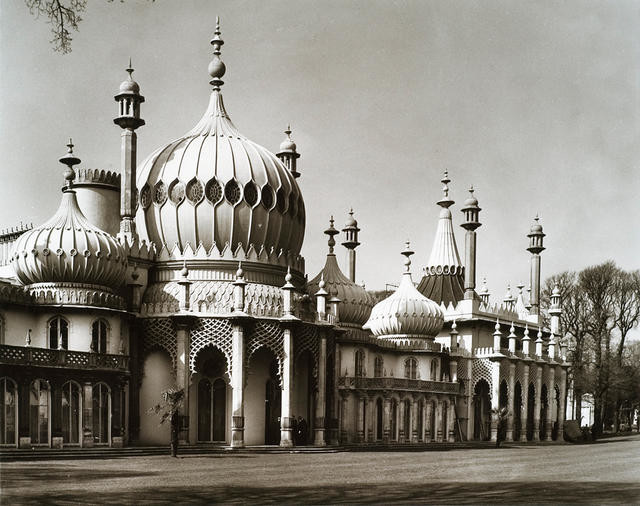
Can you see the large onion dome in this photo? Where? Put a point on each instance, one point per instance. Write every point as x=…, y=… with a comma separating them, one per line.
x=215, y=186
x=355, y=301
x=406, y=315
x=68, y=248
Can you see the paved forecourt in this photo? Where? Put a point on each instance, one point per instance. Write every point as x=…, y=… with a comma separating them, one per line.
x=605, y=472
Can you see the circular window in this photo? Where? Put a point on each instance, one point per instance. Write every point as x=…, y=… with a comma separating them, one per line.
x=195, y=191
x=145, y=196
x=281, y=201
x=176, y=192
x=160, y=193
x=232, y=192
x=250, y=193
x=213, y=191
x=267, y=196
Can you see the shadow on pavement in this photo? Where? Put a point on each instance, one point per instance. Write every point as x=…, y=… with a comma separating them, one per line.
x=441, y=493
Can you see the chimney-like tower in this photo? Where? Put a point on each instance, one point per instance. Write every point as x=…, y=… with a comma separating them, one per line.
x=129, y=100
x=555, y=310
x=351, y=243
x=536, y=247
x=288, y=154
x=471, y=222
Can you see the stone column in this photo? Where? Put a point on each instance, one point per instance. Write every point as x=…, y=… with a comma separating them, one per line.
x=510, y=401
x=386, y=420
x=451, y=425
x=286, y=425
x=414, y=420
x=183, y=324
x=428, y=415
x=495, y=399
x=439, y=435
x=237, y=385
x=551, y=394
x=537, y=407
x=401, y=434
x=563, y=403
x=321, y=397
x=524, y=413
x=371, y=416
x=360, y=430
x=87, y=415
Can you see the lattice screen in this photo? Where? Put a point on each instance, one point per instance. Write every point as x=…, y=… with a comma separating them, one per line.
x=307, y=338
x=215, y=332
x=159, y=333
x=481, y=369
x=269, y=335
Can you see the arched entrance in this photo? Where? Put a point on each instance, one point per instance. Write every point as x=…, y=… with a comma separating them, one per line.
x=39, y=412
x=544, y=410
x=406, y=407
x=394, y=420
x=71, y=413
x=531, y=403
x=8, y=416
x=304, y=394
x=262, y=403
x=101, y=414
x=481, y=411
x=211, y=399
x=421, y=420
x=556, y=413
x=517, y=411
x=379, y=418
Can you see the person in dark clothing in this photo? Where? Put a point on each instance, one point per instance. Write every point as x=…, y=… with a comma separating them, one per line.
x=175, y=428
x=302, y=431
x=294, y=429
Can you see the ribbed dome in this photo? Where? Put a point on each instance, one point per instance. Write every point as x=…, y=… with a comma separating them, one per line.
x=213, y=185
x=406, y=314
x=69, y=249
x=356, y=303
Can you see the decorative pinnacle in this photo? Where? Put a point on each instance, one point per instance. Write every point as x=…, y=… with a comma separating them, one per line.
x=239, y=272
x=216, y=67
x=407, y=252
x=184, y=272
x=69, y=160
x=454, y=328
x=446, y=200
x=321, y=284
x=288, y=130
x=331, y=231
x=130, y=69
x=539, y=336
x=288, y=277
x=497, y=327
x=526, y=332
x=512, y=330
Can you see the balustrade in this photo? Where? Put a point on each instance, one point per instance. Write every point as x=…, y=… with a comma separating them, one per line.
x=45, y=357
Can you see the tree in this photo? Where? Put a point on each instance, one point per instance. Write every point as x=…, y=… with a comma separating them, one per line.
x=169, y=410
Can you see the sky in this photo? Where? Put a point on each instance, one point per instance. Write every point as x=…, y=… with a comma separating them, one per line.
x=534, y=103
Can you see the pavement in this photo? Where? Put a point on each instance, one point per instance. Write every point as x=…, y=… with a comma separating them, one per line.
x=606, y=472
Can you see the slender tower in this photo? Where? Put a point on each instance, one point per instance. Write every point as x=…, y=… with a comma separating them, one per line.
x=555, y=311
x=536, y=247
x=129, y=100
x=288, y=154
x=351, y=243
x=471, y=222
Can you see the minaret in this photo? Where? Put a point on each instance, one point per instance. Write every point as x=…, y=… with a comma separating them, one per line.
x=535, y=248
x=351, y=243
x=555, y=310
x=129, y=100
x=471, y=213
x=288, y=154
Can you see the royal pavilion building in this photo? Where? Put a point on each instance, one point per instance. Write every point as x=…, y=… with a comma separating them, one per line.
x=185, y=271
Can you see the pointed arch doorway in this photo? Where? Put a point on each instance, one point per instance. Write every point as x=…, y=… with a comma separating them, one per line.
x=212, y=396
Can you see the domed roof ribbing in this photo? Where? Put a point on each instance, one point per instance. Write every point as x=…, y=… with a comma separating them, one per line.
x=215, y=186
x=355, y=301
x=406, y=314
x=69, y=249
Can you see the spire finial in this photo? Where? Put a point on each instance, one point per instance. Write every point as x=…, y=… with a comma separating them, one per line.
x=331, y=231
x=445, y=201
x=69, y=160
x=407, y=252
x=216, y=66
x=129, y=69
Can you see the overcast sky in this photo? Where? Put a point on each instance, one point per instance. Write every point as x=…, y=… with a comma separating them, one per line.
x=534, y=103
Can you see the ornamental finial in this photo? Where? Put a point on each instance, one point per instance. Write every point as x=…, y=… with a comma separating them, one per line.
x=407, y=252
x=445, y=201
x=331, y=231
x=216, y=67
x=69, y=160
x=129, y=69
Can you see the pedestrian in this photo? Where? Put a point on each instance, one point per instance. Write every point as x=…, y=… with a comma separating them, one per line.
x=175, y=419
x=302, y=431
x=294, y=429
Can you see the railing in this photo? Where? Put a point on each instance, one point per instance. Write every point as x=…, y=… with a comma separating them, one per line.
x=45, y=357
x=362, y=383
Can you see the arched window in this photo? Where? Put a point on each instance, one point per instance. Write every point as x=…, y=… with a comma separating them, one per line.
x=99, y=332
x=58, y=333
x=71, y=410
x=359, y=371
x=8, y=404
x=101, y=413
x=39, y=396
x=411, y=368
x=378, y=367
x=434, y=370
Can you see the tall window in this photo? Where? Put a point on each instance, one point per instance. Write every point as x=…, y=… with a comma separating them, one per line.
x=99, y=331
x=411, y=368
x=39, y=412
x=101, y=413
x=70, y=412
x=58, y=333
x=8, y=403
x=378, y=367
x=359, y=363
x=434, y=369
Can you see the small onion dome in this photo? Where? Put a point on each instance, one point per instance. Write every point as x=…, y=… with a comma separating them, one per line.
x=69, y=249
x=472, y=200
x=356, y=302
x=287, y=145
x=351, y=221
x=406, y=314
x=536, y=228
x=129, y=85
